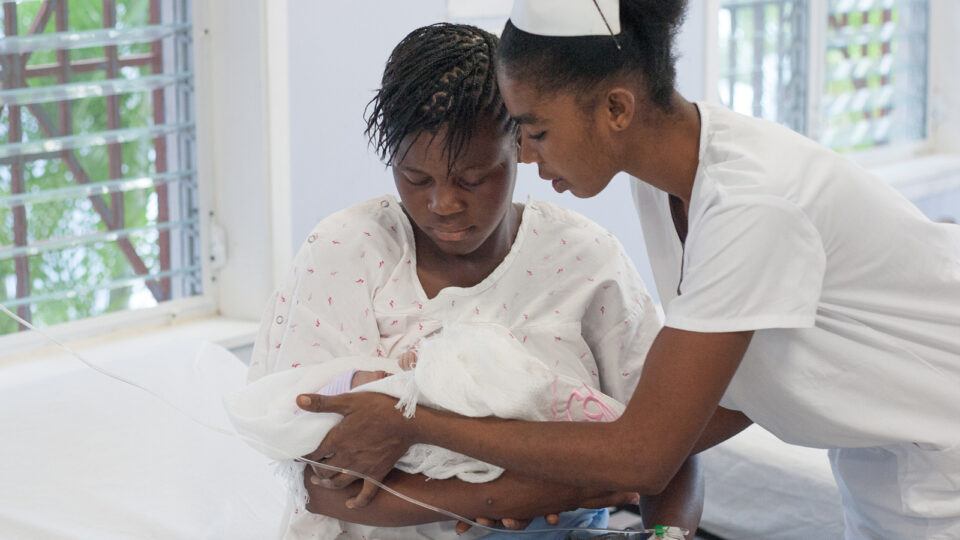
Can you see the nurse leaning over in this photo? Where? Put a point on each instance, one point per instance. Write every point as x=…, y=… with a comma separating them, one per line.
x=801, y=292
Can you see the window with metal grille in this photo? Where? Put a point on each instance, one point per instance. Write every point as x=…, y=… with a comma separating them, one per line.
x=859, y=66
x=98, y=199
x=875, y=73
x=763, y=59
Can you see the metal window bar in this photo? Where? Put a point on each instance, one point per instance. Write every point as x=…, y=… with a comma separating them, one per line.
x=25, y=151
x=875, y=81
x=100, y=188
x=92, y=38
x=763, y=55
x=112, y=87
x=49, y=135
x=192, y=272
x=56, y=244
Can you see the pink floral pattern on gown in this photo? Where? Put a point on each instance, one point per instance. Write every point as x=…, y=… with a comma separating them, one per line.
x=566, y=291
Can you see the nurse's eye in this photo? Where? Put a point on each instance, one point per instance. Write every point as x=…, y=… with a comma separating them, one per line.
x=537, y=136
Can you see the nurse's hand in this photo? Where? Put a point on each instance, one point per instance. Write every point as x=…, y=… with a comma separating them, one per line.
x=370, y=439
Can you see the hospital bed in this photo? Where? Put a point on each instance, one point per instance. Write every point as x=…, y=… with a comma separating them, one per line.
x=759, y=487
x=85, y=456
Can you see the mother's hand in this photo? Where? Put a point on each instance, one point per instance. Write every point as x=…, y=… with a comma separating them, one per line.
x=370, y=439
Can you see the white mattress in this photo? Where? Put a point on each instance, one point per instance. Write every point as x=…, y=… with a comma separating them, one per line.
x=759, y=487
x=84, y=456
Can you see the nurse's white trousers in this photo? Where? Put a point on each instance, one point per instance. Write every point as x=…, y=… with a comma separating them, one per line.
x=899, y=492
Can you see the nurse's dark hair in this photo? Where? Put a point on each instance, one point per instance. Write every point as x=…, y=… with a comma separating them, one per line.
x=578, y=64
x=442, y=75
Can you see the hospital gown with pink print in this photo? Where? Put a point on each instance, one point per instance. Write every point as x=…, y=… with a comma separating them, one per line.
x=566, y=292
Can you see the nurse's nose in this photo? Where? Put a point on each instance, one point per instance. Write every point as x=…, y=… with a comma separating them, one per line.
x=445, y=199
x=527, y=153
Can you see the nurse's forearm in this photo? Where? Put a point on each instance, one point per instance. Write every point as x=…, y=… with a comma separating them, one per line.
x=724, y=425
x=580, y=453
x=684, y=376
x=681, y=503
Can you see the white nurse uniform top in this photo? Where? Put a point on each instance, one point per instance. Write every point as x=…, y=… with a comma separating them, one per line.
x=854, y=297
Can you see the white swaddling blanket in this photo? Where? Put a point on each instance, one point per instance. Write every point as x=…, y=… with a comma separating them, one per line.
x=474, y=370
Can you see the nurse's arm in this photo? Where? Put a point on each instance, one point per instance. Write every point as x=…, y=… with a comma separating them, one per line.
x=681, y=502
x=683, y=379
x=724, y=424
x=510, y=496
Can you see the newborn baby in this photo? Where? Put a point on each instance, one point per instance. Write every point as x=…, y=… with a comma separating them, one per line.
x=477, y=371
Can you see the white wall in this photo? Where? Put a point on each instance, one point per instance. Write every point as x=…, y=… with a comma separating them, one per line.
x=945, y=64
x=337, y=52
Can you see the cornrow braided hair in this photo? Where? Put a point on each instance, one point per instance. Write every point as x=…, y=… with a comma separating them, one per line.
x=439, y=75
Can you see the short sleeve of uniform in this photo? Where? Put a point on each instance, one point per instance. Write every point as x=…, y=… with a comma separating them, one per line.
x=750, y=263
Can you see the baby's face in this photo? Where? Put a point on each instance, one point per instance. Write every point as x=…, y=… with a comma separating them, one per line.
x=407, y=361
x=364, y=377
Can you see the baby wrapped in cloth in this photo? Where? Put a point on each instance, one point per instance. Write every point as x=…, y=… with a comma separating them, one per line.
x=472, y=370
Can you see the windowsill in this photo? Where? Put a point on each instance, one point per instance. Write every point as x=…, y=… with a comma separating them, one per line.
x=229, y=333
x=923, y=176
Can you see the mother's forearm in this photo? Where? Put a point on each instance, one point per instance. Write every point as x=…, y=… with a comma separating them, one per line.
x=510, y=496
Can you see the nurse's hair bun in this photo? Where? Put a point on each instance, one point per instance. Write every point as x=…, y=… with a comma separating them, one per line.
x=644, y=48
x=441, y=75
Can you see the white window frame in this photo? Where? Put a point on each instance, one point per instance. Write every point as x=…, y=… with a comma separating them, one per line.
x=240, y=269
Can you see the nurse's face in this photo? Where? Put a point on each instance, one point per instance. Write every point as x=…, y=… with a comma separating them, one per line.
x=459, y=210
x=566, y=138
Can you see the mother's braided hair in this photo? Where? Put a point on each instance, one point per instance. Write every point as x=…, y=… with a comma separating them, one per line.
x=439, y=75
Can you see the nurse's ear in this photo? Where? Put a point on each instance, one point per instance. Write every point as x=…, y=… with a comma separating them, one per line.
x=620, y=107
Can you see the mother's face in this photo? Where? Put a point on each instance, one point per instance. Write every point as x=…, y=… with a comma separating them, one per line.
x=458, y=209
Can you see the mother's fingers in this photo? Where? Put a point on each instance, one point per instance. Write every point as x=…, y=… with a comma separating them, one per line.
x=332, y=477
x=325, y=454
x=367, y=493
x=340, y=481
x=515, y=524
x=486, y=522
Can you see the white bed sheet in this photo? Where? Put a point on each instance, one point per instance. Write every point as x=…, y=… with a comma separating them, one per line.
x=759, y=487
x=84, y=456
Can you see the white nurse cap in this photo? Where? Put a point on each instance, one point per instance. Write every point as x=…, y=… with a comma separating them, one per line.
x=567, y=18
